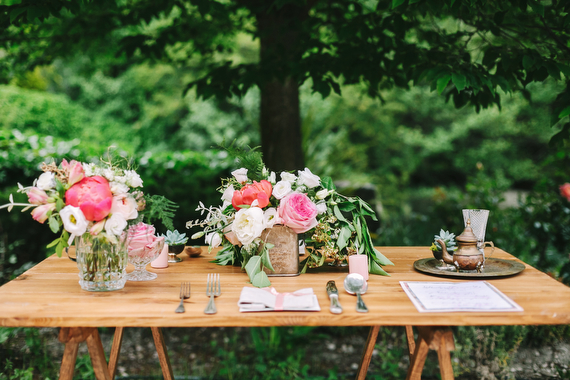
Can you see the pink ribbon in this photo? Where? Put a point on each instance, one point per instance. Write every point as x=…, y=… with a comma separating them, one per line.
x=280, y=297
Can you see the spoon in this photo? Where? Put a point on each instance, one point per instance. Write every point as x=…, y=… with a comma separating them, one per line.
x=354, y=283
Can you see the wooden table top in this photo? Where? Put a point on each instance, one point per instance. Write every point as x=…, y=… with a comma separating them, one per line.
x=48, y=295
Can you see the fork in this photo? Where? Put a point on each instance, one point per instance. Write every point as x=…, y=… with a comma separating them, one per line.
x=184, y=294
x=213, y=289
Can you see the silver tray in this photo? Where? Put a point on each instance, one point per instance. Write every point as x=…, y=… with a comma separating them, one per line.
x=493, y=268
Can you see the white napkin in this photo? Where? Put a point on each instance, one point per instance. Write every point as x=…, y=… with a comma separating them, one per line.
x=268, y=299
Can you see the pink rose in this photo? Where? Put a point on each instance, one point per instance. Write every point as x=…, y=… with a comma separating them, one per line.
x=93, y=196
x=565, y=191
x=74, y=171
x=142, y=240
x=41, y=213
x=298, y=212
x=260, y=191
x=37, y=196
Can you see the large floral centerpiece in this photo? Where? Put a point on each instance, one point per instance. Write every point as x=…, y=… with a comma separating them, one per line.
x=254, y=199
x=93, y=203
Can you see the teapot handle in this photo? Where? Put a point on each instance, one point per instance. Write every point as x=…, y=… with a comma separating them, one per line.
x=490, y=244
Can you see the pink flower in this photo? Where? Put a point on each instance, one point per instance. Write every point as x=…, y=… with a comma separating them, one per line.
x=37, y=196
x=142, y=239
x=565, y=191
x=74, y=171
x=93, y=196
x=298, y=212
x=260, y=191
x=41, y=213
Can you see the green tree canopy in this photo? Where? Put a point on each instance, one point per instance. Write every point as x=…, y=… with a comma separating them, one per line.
x=464, y=49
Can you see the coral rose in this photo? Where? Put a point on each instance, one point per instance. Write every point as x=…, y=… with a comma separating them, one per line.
x=93, y=196
x=298, y=212
x=258, y=191
x=565, y=191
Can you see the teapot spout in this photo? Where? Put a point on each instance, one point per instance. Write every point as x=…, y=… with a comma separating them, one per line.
x=447, y=258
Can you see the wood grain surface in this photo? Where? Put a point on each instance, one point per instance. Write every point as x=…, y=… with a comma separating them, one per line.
x=48, y=295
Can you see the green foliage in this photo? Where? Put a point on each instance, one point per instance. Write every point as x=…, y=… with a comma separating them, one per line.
x=159, y=208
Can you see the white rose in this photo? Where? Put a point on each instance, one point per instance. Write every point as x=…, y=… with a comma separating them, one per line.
x=289, y=177
x=322, y=194
x=133, y=179
x=270, y=217
x=228, y=194
x=281, y=189
x=213, y=239
x=73, y=220
x=309, y=179
x=240, y=175
x=125, y=205
x=116, y=224
x=118, y=188
x=248, y=224
x=321, y=207
x=46, y=181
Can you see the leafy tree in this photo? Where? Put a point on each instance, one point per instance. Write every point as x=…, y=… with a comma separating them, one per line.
x=464, y=49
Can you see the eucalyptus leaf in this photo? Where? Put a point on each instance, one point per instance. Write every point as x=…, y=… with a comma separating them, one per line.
x=374, y=268
x=261, y=280
x=253, y=267
x=265, y=261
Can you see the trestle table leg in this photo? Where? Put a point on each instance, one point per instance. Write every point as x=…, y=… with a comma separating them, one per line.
x=71, y=337
x=435, y=338
x=367, y=354
x=115, y=350
x=162, y=353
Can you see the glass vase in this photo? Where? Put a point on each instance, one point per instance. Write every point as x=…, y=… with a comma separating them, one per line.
x=102, y=263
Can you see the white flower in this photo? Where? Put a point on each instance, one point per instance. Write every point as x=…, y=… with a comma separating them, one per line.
x=322, y=207
x=240, y=175
x=270, y=217
x=289, y=177
x=228, y=194
x=125, y=205
x=281, y=189
x=46, y=181
x=309, y=179
x=248, y=224
x=73, y=220
x=322, y=194
x=271, y=178
x=89, y=169
x=213, y=239
x=116, y=224
x=133, y=179
x=109, y=174
x=118, y=188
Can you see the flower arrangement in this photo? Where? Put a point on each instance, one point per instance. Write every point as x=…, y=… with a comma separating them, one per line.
x=255, y=199
x=83, y=197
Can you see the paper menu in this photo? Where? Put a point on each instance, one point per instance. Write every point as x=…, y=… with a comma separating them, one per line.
x=475, y=296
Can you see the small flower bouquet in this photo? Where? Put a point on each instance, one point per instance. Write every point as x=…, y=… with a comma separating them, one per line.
x=83, y=197
x=254, y=199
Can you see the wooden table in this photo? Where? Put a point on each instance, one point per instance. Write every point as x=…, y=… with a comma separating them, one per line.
x=48, y=295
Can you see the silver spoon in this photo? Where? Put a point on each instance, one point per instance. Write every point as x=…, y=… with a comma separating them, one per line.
x=355, y=283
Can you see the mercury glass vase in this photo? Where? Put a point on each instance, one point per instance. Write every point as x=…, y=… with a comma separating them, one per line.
x=102, y=263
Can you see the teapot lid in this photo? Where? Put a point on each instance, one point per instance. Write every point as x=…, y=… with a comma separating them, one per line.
x=467, y=236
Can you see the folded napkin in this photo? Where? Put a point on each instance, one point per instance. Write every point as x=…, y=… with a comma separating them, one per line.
x=268, y=299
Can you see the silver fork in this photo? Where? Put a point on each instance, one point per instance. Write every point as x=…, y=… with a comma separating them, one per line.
x=184, y=294
x=213, y=289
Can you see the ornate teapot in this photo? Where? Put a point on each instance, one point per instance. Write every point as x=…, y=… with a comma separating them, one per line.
x=467, y=256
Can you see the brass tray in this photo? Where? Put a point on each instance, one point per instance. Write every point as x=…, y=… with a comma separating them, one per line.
x=493, y=268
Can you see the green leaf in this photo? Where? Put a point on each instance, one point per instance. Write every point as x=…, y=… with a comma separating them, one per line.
x=261, y=280
x=565, y=112
x=565, y=69
x=53, y=224
x=553, y=70
x=59, y=204
x=459, y=81
x=527, y=62
x=374, y=268
x=537, y=7
x=265, y=260
x=253, y=267
x=346, y=206
x=327, y=183
x=380, y=258
x=59, y=248
x=339, y=214
x=53, y=243
x=442, y=83
x=397, y=3
x=343, y=237
x=16, y=12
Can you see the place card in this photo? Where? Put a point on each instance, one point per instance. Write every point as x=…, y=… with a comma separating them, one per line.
x=474, y=296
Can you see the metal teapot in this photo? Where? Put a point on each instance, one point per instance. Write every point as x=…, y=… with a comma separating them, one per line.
x=467, y=256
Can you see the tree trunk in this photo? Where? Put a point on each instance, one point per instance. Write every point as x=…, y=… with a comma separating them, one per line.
x=280, y=119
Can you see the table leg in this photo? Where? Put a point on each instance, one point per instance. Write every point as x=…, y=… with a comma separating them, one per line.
x=162, y=353
x=115, y=350
x=71, y=337
x=435, y=338
x=367, y=354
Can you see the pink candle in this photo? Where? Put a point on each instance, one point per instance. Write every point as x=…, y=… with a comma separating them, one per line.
x=358, y=264
x=162, y=260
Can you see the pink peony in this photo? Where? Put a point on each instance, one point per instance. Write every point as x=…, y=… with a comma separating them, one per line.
x=298, y=212
x=74, y=171
x=41, y=213
x=142, y=239
x=93, y=196
x=565, y=191
x=37, y=196
x=260, y=191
